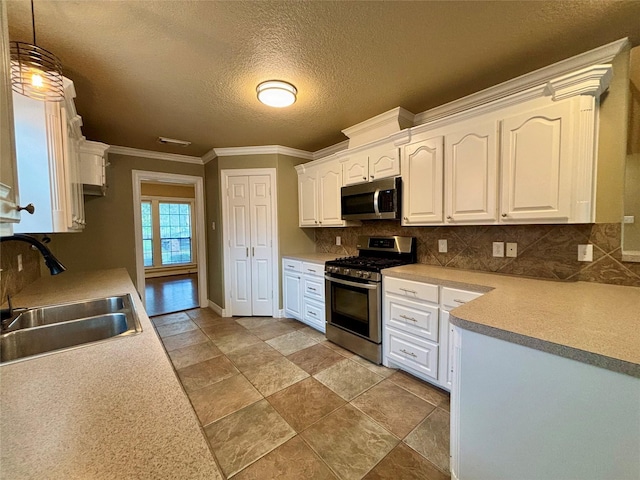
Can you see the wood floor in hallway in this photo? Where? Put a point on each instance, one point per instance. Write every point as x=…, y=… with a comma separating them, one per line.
x=171, y=294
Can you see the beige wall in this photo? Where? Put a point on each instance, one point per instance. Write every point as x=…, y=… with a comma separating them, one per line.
x=631, y=232
x=291, y=238
x=612, y=144
x=108, y=240
x=167, y=190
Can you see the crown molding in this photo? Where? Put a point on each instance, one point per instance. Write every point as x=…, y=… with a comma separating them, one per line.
x=385, y=124
x=210, y=155
x=93, y=148
x=263, y=150
x=588, y=81
x=597, y=56
x=330, y=150
x=172, y=157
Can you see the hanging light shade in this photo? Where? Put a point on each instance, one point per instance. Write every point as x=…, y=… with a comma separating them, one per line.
x=35, y=72
x=275, y=93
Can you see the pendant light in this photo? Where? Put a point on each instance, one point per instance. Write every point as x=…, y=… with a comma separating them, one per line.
x=276, y=93
x=35, y=72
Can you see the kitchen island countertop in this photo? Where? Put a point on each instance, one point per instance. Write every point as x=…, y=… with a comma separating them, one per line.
x=593, y=323
x=109, y=410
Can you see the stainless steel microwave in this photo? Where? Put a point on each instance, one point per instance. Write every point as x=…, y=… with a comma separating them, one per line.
x=375, y=200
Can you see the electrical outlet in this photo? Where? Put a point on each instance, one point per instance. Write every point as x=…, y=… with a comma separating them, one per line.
x=512, y=249
x=442, y=246
x=585, y=253
x=629, y=219
x=498, y=249
x=19, y=262
x=338, y=240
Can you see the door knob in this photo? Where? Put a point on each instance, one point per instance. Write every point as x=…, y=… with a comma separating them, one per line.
x=29, y=208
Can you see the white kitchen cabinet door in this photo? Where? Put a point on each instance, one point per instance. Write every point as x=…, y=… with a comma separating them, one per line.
x=240, y=245
x=422, y=182
x=261, y=262
x=292, y=294
x=356, y=169
x=384, y=162
x=329, y=204
x=537, y=149
x=470, y=173
x=308, y=199
x=8, y=168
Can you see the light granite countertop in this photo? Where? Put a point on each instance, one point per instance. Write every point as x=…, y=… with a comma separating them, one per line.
x=108, y=410
x=313, y=257
x=593, y=323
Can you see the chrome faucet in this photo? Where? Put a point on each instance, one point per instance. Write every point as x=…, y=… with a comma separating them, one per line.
x=54, y=265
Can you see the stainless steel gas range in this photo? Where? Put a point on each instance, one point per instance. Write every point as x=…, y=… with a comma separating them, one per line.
x=354, y=293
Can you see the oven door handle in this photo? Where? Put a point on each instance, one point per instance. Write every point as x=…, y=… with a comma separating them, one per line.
x=368, y=286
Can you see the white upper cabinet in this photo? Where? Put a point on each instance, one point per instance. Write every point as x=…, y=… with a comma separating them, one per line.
x=471, y=171
x=8, y=169
x=537, y=164
x=308, y=198
x=371, y=164
x=422, y=182
x=319, y=196
x=47, y=146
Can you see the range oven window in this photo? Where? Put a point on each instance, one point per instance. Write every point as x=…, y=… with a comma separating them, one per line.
x=350, y=308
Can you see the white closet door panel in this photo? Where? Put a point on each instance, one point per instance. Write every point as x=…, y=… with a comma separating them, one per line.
x=261, y=261
x=240, y=245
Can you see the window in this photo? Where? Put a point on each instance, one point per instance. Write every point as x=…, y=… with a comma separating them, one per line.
x=167, y=232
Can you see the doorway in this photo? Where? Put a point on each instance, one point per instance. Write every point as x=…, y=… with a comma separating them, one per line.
x=170, y=241
x=250, y=236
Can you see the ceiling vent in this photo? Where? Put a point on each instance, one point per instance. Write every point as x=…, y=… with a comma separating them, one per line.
x=173, y=141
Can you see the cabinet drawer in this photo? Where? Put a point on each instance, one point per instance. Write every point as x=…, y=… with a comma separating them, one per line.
x=314, y=288
x=452, y=297
x=410, y=289
x=414, y=318
x=293, y=265
x=313, y=269
x=418, y=355
x=313, y=314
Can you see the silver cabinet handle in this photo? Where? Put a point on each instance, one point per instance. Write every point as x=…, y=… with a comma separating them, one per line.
x=448, y=217
x=408, y=318
x=289, y=266
x=312, y=314
x=405, y=290
x=371, y=176
x=253, y=251
x=406, y=218
x=247, y=251
x=457, y=300
x=364, y=178
x=411, y=354
x=311, y=270
x=311, y=288
x=29, y=208
x=504, y=215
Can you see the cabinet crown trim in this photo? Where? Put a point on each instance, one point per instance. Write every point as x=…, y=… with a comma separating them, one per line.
x=263, y=150
x=391, y=121
x=588, y=81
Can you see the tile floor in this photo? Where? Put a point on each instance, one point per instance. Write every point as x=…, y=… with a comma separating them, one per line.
x=276, y=400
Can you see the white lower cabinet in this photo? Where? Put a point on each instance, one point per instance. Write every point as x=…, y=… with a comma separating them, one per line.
x=303, y=292
x=416, y=331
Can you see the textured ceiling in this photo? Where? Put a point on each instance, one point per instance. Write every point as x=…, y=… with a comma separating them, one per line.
x=188, y=70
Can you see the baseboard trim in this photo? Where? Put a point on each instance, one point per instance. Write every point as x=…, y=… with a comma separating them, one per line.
x=217, y=308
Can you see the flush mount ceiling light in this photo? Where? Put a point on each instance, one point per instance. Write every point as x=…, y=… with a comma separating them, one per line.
x=35, y=72
x=275, y=93
x=173, y=141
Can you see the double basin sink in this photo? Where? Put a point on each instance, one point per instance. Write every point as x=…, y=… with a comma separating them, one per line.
x=53, y=328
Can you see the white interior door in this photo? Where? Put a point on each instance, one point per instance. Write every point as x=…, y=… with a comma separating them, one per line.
x=239, y=245
x=261, y=259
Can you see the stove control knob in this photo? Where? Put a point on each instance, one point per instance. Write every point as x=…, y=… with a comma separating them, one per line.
x=358, y=273
x=346, y=271
x=366, y=274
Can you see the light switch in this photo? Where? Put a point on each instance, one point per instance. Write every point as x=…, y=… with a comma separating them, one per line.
x=338, y=240
x=498, y=249
x=585, y=253
x=213, y=225
x=442, y=246
x=19, y=262
x=629, y=219
x=512, y=249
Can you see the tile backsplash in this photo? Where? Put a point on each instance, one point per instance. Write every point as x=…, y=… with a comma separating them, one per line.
x=11, y=280
x=544, y=251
